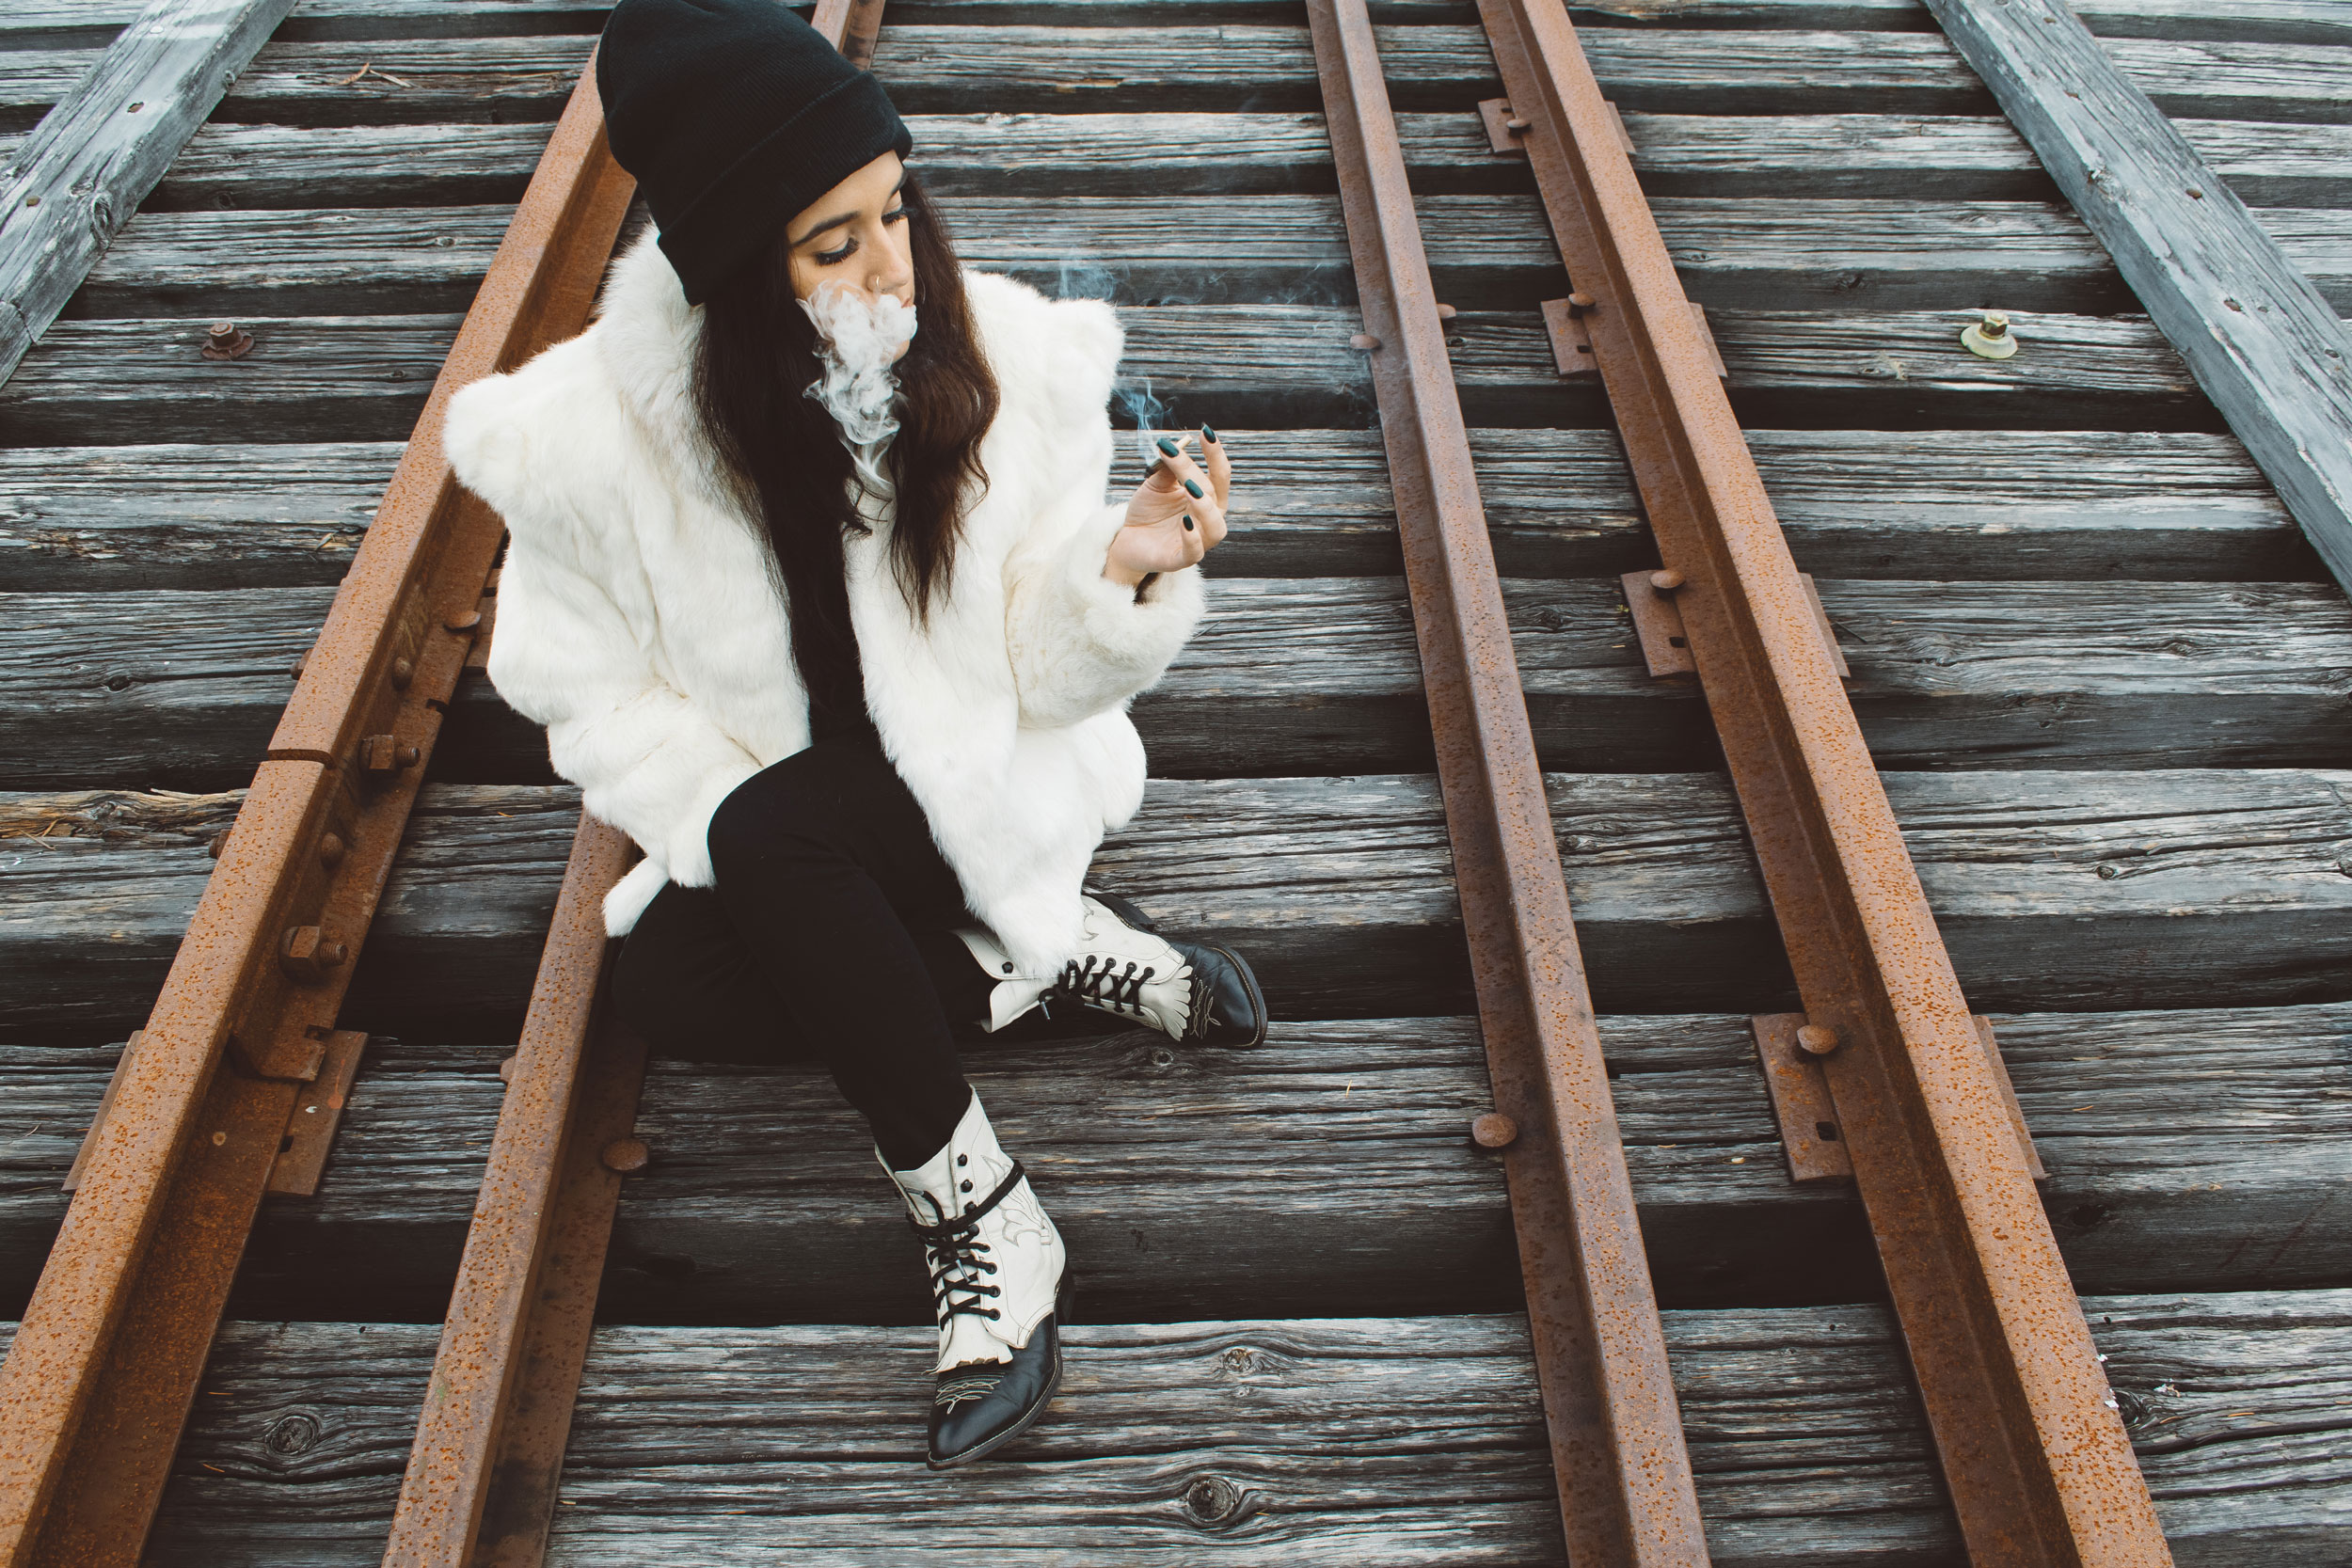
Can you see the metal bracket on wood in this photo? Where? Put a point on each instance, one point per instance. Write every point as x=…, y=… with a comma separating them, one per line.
x=1503, y=129
x=317, y=1115
x=1657, y=621
x=1506, y=129
x=1572, y=341
x=1801, y=1102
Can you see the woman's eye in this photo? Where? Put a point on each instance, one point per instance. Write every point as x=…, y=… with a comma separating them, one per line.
x=834, y=257
x=896, y=215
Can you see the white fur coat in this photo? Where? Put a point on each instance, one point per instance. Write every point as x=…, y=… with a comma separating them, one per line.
x=641, y=621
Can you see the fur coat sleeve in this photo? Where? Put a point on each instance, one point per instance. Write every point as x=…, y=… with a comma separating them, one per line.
x=648, y=760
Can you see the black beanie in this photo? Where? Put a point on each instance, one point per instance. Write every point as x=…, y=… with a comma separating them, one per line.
x=734, y=116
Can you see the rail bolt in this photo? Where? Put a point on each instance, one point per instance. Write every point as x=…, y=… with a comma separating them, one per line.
x=1363, y=343
x=1579, y=304
x=1989, y=339
x=1667, y=581
x=382, y=755
x=226, y=341
x=331, y=850
x=626, y=1155
x=402, y=673
x=1494, y=1130
x=1817, y=1040
x=305, y=953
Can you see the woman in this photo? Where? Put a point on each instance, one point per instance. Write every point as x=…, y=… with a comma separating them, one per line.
x=827, y=614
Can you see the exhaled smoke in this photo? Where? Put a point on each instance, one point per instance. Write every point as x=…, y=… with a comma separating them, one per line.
x=859, y=338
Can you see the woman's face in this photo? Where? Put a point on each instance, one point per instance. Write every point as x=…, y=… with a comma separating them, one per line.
x=855, y=235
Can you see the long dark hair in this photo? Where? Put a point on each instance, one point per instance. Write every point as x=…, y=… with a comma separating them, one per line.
x=753, y=367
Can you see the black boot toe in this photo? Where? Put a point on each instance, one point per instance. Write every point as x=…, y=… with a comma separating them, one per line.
x=1228, y=1007
x=1229, y=1010
x=976, y=1410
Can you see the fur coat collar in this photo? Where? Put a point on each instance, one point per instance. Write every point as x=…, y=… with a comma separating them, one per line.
x=639, y=618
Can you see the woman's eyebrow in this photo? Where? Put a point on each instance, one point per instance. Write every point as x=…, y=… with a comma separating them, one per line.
x=828, y=223
x=846, y=217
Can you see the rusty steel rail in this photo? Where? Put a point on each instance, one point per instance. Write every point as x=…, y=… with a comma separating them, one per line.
x=480, y=1488
x=1623, y=1473
x=98, y=1383
x=2040, y=1467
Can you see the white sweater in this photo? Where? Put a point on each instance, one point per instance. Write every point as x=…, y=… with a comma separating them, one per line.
x=639, y=618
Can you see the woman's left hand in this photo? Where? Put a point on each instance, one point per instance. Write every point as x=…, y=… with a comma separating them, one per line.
x=1176, y=516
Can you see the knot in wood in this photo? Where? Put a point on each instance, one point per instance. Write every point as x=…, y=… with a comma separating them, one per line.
x=1212, y=1499
x=1494, y=1130
x=626, y=1155
x=1817, y=1040
x=292, y=1435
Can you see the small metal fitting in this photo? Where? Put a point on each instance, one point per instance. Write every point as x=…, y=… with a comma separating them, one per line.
x=402, y=673
x=1989, y=339
x=226, y=341
x=626, y=1155
x=466, y=621
x=1817, y=1040
x=305, y=953
x=1580, y=305
x=1494, y=1130
x=1363, y=343
x=1667, y=581
x=507, y=1069
x=331, y=850
x=383, y=755
x=1447, y=313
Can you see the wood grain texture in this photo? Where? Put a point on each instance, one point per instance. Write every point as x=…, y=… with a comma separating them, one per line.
x=188, y=516
x=318, y=378
x=2265, y=345
x=142, y=380
x=1292, y=676
x=2055, y=890
x=2201, y=1149
x=71, y=182
x=935, y=69
x=2277, y=21
x=1913, y=156
x=1485, y=252
x=1254, y=1442
x=1854, y=504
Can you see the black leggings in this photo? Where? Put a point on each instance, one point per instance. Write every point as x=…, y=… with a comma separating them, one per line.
x=829, y=937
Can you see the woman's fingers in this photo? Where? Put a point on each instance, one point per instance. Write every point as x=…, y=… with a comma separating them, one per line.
x=1221, y=466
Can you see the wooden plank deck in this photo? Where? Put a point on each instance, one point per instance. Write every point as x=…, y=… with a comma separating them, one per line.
x=2055, y=890
x=2114, y=599
x=1254, y=1442
x=1910, y=505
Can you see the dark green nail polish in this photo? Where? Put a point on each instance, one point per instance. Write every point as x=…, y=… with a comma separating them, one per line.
x=1168, y=448
x=1188, y=522
x=1209, y=436
x=1193, y=490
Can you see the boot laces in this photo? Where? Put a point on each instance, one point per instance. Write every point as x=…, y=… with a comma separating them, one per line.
x=1107, y=987
x=959, y=1260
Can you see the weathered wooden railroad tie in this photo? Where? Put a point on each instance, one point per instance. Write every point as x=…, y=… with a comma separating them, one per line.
x=2102, y=666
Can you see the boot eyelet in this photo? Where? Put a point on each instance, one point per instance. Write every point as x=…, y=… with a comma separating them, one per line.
x=967, y=1186
x=964, y=1158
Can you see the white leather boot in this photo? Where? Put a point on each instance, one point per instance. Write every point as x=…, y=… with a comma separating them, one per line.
x=1194, y=994
x=998, y=1272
